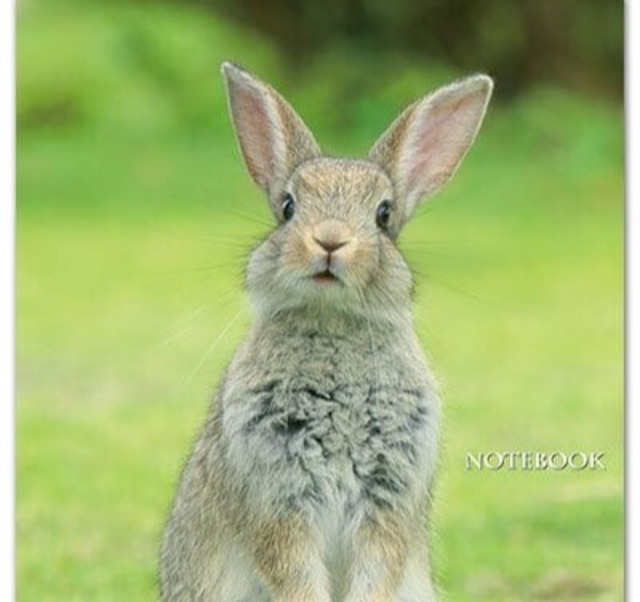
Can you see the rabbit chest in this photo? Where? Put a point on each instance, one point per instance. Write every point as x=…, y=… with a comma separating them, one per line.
x=328, y=422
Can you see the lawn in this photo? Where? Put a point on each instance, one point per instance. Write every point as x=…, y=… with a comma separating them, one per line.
x=130, y=254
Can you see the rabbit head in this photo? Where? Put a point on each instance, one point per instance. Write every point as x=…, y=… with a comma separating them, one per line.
x=338, y=219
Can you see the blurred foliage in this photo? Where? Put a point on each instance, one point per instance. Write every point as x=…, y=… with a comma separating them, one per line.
x=124, y=65
x=143, y=65
x=578, y=43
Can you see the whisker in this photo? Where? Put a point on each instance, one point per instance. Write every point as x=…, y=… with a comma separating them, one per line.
x=463, y=291
x=227, y=266
x=227, y=241
x=253, y=218
x=176, y=335
x=211, y=348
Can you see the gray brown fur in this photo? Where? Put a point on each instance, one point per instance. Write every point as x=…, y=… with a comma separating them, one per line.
x=311, y=479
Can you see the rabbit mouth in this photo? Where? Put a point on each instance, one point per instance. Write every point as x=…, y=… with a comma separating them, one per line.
x=325, y=277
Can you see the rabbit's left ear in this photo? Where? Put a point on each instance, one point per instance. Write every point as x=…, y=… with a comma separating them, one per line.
x=424, y=146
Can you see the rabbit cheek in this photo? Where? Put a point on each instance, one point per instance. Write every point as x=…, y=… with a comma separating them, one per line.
x=359, y=264
x=296, y=256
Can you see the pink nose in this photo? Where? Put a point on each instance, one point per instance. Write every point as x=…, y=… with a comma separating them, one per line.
x=329, y=245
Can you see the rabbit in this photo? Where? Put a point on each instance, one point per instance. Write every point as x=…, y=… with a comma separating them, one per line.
x=312, y=478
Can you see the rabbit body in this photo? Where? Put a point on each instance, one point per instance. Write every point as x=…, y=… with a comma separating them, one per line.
x=333, y=422
x=311, y=479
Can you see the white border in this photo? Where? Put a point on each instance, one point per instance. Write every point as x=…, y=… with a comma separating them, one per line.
x=7, y=297
x=632, y=101
x=7, y=300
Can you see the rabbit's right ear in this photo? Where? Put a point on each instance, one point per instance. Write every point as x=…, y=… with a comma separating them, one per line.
x=272, y=137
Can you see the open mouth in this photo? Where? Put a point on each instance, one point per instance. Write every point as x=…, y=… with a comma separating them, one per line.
x=324, y=277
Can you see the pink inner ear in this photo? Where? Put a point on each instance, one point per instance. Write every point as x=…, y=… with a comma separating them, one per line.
x=256, y=135
x=438, y=140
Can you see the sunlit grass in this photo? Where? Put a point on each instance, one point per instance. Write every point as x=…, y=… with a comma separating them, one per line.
x=116, y=370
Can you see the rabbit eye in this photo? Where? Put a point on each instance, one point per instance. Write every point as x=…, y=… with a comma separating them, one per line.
x=288, y=207
x=383, y=214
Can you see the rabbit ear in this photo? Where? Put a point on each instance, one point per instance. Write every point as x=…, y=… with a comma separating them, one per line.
x=423, y=147
x=272, y=138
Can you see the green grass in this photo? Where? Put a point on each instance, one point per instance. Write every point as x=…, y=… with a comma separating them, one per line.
x=131, y=242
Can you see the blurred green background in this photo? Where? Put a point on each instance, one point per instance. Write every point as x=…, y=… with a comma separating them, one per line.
x=135, y=216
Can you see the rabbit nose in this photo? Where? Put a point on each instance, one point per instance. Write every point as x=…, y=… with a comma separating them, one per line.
x=329, y=245
x=330, y=235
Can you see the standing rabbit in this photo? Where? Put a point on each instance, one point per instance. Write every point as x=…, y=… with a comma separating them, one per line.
x=311, y=479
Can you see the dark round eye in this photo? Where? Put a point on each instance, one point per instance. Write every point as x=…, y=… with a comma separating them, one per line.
x=288, y=207
x=383, y=214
